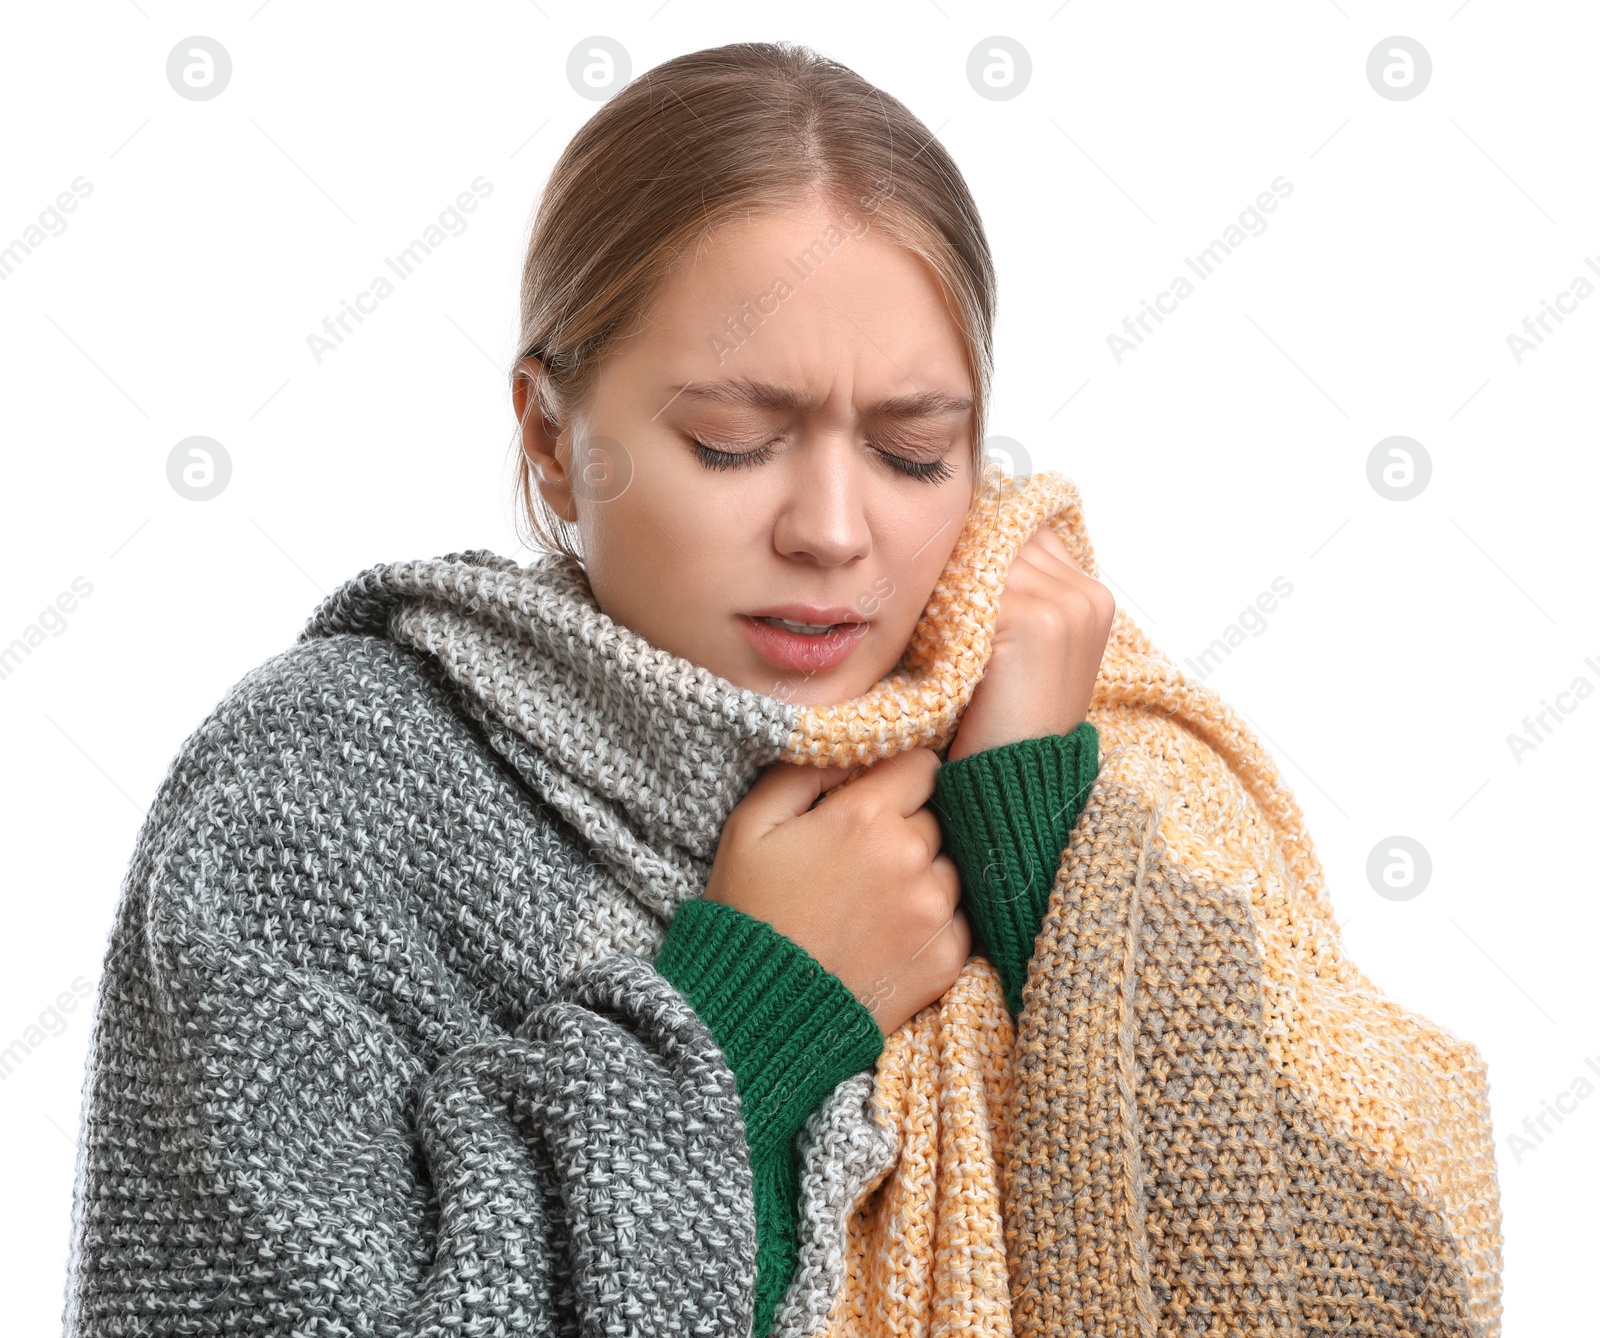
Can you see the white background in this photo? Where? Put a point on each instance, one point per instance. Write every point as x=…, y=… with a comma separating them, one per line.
x=1228, y=450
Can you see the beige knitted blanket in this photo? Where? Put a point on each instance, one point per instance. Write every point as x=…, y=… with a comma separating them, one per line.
x=1206, y=1120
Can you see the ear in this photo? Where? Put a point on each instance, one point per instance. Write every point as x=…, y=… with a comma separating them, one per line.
x=542, y=440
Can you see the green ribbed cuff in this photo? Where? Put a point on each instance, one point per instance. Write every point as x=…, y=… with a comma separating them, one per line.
x=790, y=1029
x=1007, y=813
x=777, y=1191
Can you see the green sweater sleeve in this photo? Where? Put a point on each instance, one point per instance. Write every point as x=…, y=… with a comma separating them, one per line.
x=1006, y=814
x=791, y=1031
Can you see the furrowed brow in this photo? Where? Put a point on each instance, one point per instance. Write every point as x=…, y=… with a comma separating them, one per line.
x=742, y=390
x=764, y=395
x=923, y=404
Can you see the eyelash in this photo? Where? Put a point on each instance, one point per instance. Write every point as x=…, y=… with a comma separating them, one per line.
x=936, y=471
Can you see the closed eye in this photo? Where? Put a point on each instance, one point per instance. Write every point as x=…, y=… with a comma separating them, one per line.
x=932, y=471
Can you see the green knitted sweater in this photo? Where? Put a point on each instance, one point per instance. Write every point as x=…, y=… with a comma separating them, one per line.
x=791, y=1029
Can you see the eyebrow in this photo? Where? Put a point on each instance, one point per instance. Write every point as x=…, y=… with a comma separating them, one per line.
x=765, y=395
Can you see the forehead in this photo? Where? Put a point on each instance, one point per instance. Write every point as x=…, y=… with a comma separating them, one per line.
x=774, y=309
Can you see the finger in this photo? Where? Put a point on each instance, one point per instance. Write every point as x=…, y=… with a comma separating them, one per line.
x=962, y=928
x=949, y=878
x=925, y=823
x=1048, y=549
x=948, y=883
x=1037, y=568
x=905, y=780
x=786, y=790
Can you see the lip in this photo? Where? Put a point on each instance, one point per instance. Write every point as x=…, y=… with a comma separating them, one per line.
x=808, y=613
x=795, y=650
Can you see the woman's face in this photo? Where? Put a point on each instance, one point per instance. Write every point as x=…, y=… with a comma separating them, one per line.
x=820, y=362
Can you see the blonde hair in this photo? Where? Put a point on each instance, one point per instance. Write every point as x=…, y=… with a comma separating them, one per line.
x=702, y=139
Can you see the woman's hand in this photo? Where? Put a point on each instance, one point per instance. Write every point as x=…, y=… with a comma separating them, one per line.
x=1050, y=635
x=858, y=880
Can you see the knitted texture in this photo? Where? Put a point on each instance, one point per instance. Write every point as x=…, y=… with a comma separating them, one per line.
x=1006, y=813
x=379, y=1047
x=1204, y=1118
x=791, y=1030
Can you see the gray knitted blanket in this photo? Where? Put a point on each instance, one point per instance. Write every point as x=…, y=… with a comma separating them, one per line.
x=378, y=1048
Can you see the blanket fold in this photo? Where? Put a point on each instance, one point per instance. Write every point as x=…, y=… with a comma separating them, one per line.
x=1205, y=1119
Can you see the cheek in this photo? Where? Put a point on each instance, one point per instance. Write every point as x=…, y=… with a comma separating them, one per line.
x=926, y=538
x=697, y=515
x=900, y=593
x=662, y=543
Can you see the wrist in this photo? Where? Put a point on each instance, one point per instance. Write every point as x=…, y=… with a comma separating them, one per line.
x=1006, y=814
x=789, y=1028
x=967, y=747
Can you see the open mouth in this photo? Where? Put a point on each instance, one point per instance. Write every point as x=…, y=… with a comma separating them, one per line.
x=803, y=629
x=798, y=645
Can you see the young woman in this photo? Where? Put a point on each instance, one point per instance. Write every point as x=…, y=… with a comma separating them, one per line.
x=477, y=966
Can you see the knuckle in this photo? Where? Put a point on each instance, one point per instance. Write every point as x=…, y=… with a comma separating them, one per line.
x=865, y=814
x=909, y=858
x=1055, y=619
x=953, y=954
x=963, y=931
x=1043, y=620
x=960, y=950
x=1083, y=607
x=733, y=828
x=931, y=907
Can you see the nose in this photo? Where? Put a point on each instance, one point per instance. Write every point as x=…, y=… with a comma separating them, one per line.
x=823, y=516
